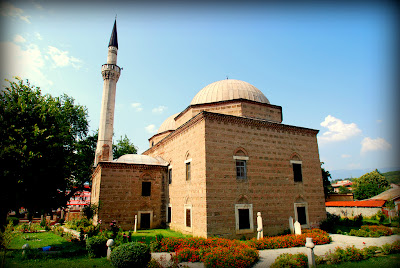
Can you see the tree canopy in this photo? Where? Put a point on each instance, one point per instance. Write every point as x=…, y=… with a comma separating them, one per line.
x=40, y=137
x=123, y=146
x=326, y=182
x=369, y=185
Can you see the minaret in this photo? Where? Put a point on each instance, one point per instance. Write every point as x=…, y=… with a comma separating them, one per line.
x=110, y=72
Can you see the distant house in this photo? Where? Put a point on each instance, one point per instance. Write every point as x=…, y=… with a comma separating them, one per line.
x=344, y=183
x=79, y=199
x=388, y=195
x=351, y=209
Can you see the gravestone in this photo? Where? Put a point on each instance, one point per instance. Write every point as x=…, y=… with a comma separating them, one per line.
x=291, y=227
x=297, y=228
x=25, y=247
x=134, y=228
x=260, y=232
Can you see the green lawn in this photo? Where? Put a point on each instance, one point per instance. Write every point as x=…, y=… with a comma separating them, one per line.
x=36, y=240
x=77, y=262
x=390, y=261
x=154, y=232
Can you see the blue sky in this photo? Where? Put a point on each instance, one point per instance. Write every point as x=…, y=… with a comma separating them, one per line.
x=330, y=67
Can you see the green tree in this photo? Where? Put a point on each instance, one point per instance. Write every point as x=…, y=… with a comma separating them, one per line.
x=344, y=190
x=369, y=185
x=326, y=176
x=123, y=146
x=39, y=138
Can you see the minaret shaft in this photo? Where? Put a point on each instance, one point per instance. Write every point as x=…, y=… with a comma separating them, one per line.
x=110, y=72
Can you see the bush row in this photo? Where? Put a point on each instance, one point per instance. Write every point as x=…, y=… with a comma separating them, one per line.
x=337, y=256
x=371, y=231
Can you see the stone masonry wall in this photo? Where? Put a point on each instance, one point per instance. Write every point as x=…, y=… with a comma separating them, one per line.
x=270, y=186
x=120, y=193
x=186, y=143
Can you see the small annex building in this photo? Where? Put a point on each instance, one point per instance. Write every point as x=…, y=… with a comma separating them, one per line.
x=212, y=167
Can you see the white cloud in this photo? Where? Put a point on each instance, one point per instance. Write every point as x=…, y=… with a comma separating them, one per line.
x=346, y=156
x=19, y=39
x=159, y=109
x=137, y=106
x=61, y=58
x=27, y=62
x=9, y=10
x=378, y=144
x=337, y=130
x=38, y=36
x=151, y=129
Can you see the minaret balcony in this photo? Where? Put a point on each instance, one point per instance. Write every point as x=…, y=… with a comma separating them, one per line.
x=110, y=67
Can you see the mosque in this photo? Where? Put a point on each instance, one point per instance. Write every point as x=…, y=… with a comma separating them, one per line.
x=211, y=167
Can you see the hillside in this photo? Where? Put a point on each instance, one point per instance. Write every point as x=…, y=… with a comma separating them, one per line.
x=392, y=176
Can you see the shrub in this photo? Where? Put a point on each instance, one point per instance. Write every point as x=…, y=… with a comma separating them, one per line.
x=96, y=246
x=391, y=248
x=14, y=220
x=344, y=255
x=329, y=223
x=369, y=252
x=131, y=255
x=287, y=260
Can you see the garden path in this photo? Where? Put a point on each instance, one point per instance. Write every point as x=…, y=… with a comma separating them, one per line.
x=268, y=256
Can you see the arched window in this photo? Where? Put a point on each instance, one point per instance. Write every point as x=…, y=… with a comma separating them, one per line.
x=188, y=166
x=296, y=164
x=241, y=158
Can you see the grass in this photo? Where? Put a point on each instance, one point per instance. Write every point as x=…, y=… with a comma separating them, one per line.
x=77, y=262
x=36, y=240
x=390, y=261
x=154, y=232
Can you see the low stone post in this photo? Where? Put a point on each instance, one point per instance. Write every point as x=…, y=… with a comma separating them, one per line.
x=291, y=227
x=62, y=214
x=110, y=243
x=297, y=228
x=310, y=252
x=24, y=248
x=260, y=232
x=134, y=228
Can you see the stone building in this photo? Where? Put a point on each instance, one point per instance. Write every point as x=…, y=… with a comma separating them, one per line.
x=212, y=167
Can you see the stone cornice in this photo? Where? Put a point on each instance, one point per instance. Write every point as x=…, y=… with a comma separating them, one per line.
x=236, y=120
x=228, y=102
x=118, y=165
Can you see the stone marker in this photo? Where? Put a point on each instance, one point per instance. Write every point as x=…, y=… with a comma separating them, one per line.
x=291, y=227
x=310, y=252
x=297, y=228
x=110, y=243
x=24, y=247
x=134, y=228
x=62, y=214
x=260, y=232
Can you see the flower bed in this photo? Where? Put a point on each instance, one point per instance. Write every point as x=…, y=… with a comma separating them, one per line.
x=219, y=252
x=214, y=252
x=286, y=241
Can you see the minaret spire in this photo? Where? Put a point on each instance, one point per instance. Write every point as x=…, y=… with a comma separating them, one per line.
x=110, y=72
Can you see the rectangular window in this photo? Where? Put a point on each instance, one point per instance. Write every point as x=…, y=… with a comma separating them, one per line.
x=241, y=169
x=146, y=188
x=188, y=171
x=170, y=176
x=169, y=214
x=188, y=217
x=297, y=172
x=244, y=219
x=301, y=215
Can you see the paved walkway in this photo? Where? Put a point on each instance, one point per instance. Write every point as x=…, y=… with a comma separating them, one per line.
x=268, y=256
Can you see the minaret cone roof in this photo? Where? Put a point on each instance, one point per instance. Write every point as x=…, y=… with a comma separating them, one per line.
x=114, y=38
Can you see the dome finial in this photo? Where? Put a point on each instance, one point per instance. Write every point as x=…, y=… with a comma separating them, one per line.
x=227, y=77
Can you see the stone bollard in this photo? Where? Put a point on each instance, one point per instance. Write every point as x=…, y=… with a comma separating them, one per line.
x=310, y=252
x=24, y=248
x=110, y=243
x=134, y=228
x=260, y=232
